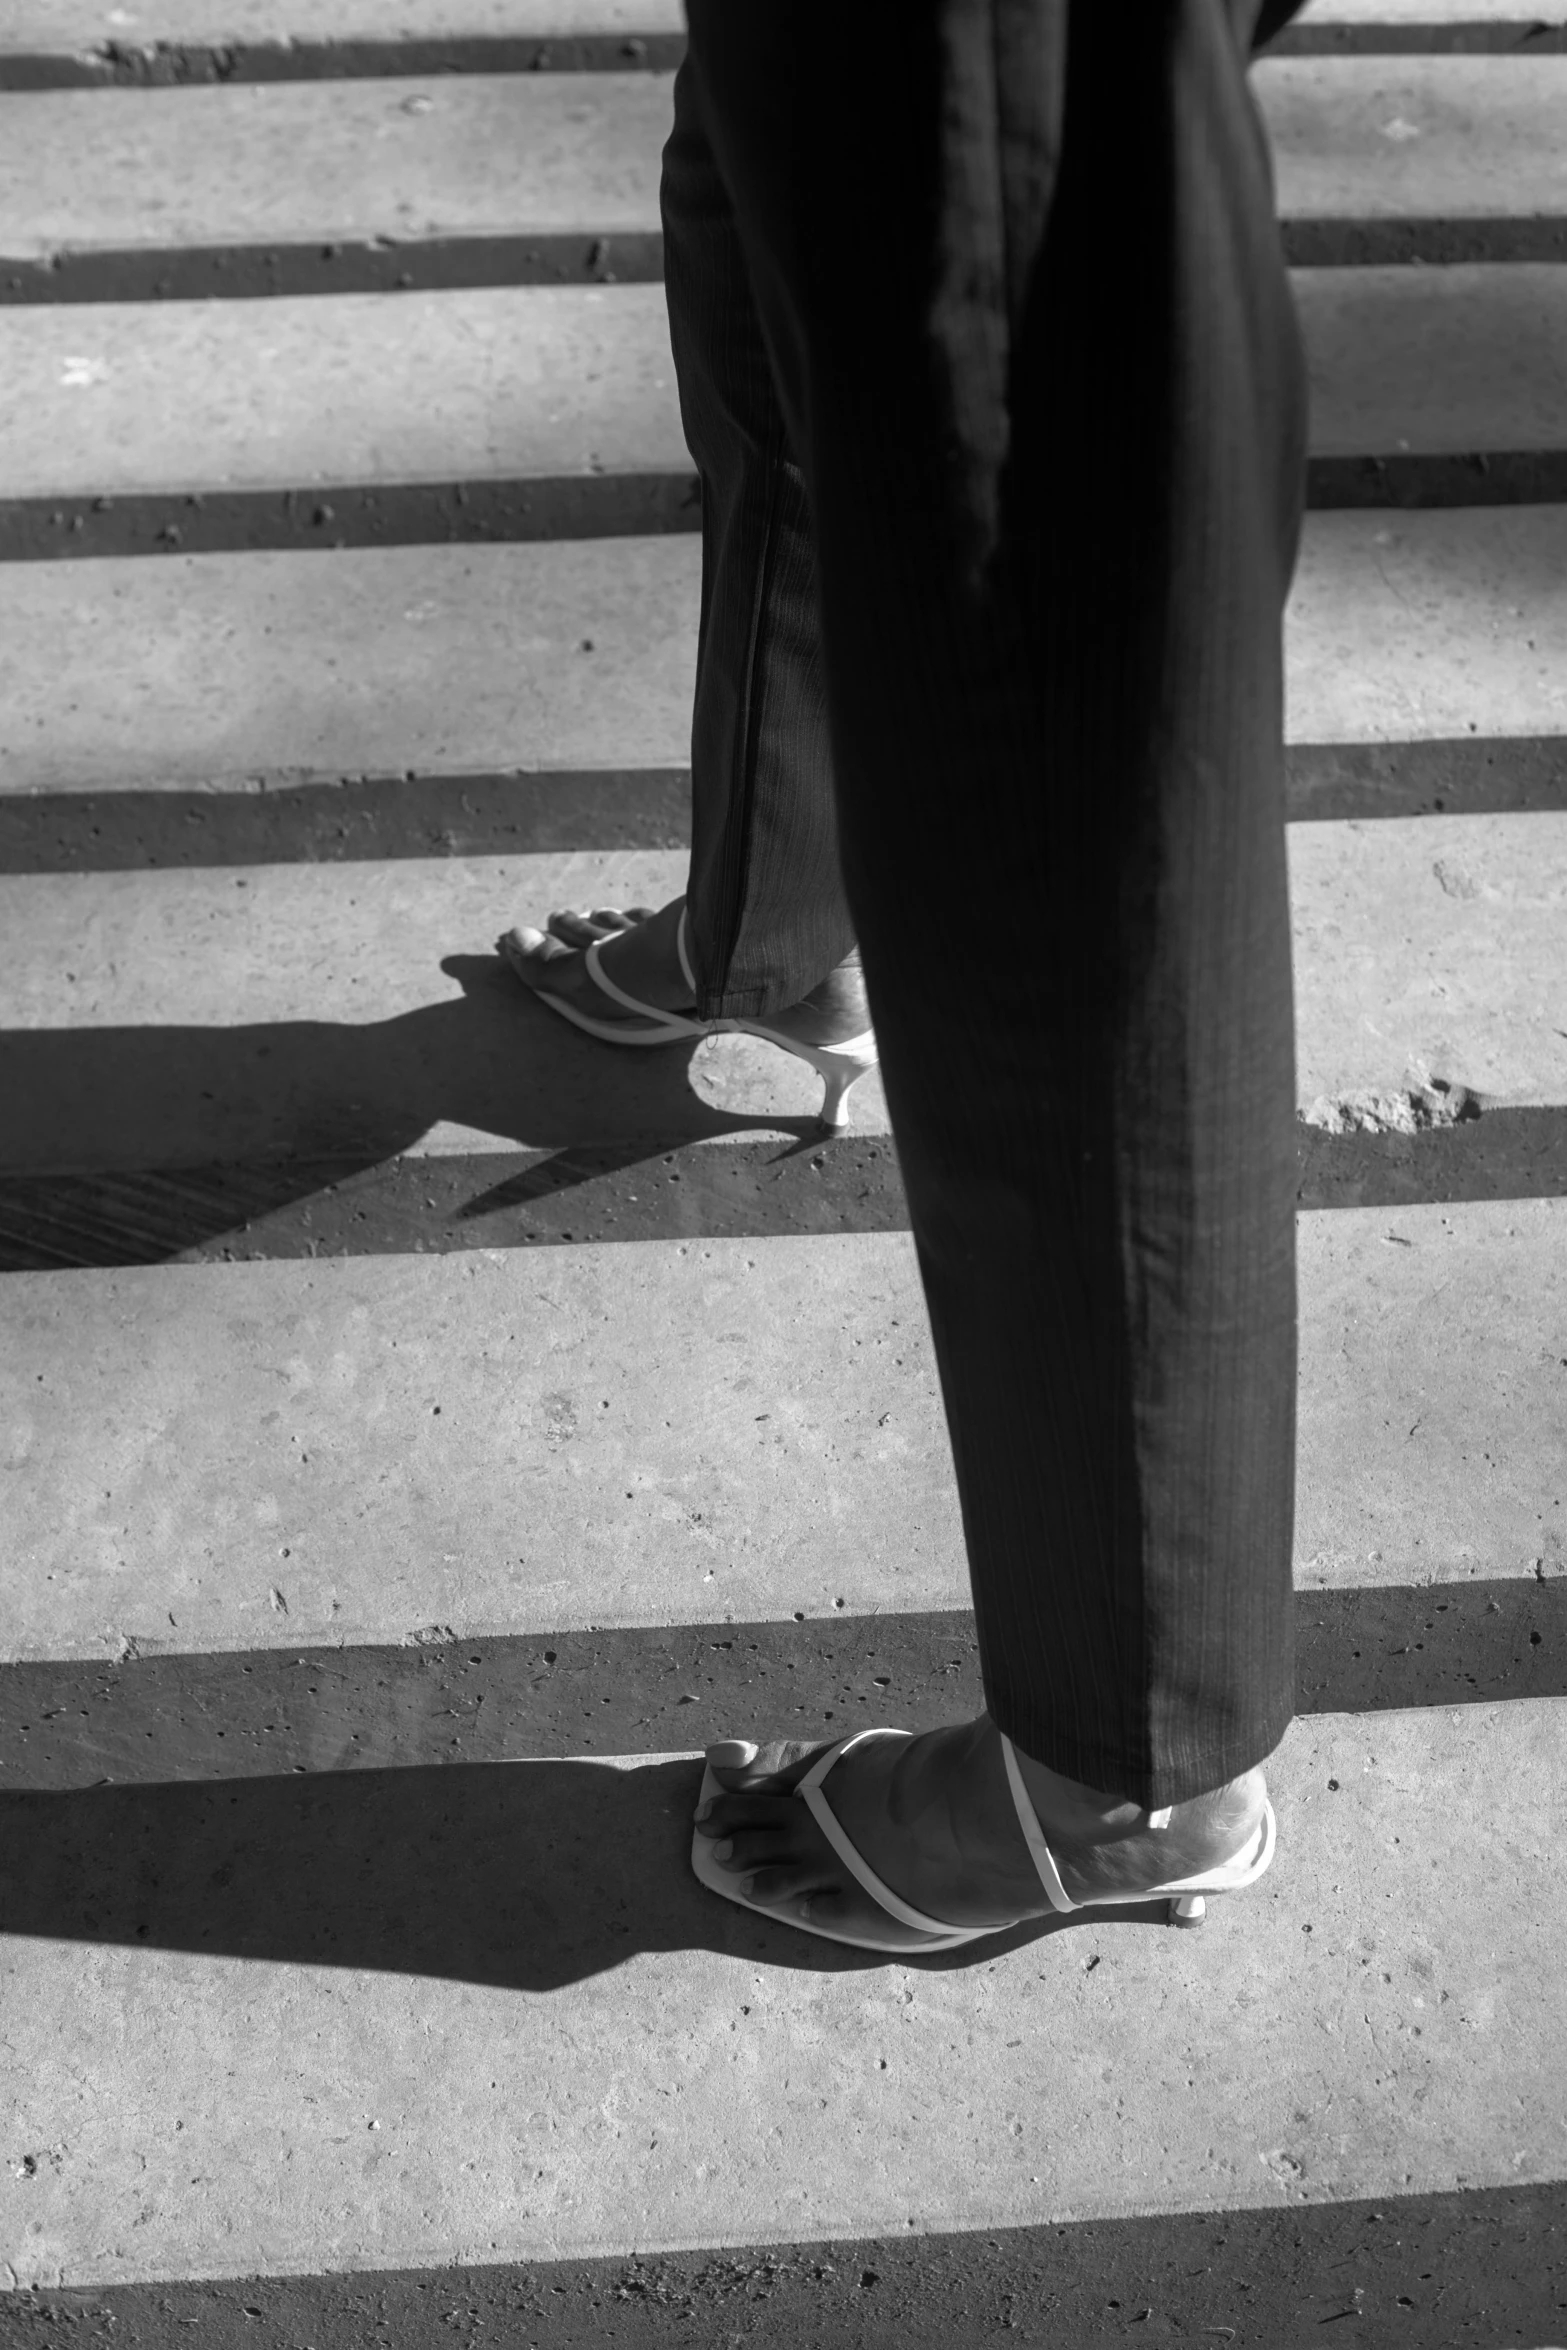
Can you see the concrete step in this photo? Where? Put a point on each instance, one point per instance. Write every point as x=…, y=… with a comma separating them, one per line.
x=211, y=674
x=413, y=166
x=294, y=394
x=520, y=385
x=359, y=2043
x=1431, y=16
x=199, y=40
x=429, y=659
x=1366, y=28
x=1417, y=139
x=358, y=1009
x=332, y=186
x=290, y=1455
x=86, y=29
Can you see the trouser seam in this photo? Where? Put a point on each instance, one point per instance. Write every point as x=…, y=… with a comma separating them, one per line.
x=717, y=1001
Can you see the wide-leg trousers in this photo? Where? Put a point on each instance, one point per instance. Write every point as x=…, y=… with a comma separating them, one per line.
x=987, y=359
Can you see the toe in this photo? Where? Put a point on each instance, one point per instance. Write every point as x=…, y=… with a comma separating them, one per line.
x=780, y=1882
x=741, y=1767
x=769, y=1846
x=579, y=930
x=526, y=945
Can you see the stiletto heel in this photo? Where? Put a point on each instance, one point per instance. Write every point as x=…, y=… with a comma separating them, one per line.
x=839, y=1066
x=842, y=1070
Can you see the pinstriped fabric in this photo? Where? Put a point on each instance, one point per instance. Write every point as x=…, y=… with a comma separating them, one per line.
x=768, y=914
x=1055, y=704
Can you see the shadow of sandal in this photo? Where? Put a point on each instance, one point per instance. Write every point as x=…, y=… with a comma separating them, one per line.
x=527, y=1875
x=157, y=1139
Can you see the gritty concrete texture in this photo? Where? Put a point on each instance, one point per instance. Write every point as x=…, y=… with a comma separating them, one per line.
x=1401, y=138
x=217, y=671
x=56, y=25
x=468, y=384
x=1423, y=626
x=1431, y=947
x=324, y=161
x=266, y=1712
x=294, y=2026
x=1433, y=1440
x=1416, y=12
x=520, y=380
x=1417, y=360
x=259, y=1455
x=205, y=668
x=650, y=1433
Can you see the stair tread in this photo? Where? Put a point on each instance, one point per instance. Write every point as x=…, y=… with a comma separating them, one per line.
x=82, y=25
x=213, y=671
x=375, y=2044
x=526, y=381
x=413, y=158
x=201, y=1439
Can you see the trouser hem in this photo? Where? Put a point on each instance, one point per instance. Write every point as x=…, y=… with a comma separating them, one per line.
x=1152, y=1786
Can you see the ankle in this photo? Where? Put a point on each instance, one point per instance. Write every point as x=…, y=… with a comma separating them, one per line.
x=1099, y=1837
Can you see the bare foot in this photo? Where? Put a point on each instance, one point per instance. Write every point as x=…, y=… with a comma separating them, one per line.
x=934, y=1817
x=638, y=950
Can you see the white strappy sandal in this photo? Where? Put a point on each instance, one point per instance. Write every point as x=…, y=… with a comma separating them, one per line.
x=1185, y=1895
x=839, y=1066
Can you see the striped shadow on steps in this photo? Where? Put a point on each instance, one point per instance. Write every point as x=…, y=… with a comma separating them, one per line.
x=357, y=819
x=742, y=1190
x=201, y=191
x=435, y=1699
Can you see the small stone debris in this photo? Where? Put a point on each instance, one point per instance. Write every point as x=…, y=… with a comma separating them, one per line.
x=1413, y=1109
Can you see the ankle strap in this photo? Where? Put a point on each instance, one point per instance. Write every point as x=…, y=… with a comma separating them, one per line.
x=685, y=959
x=1028, y=1821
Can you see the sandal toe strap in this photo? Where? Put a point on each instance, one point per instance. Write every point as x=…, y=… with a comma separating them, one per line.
x=675, y=1022
x=853, y=1860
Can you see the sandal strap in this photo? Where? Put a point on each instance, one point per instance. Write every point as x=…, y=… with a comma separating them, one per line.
x=1230, y=1876
x=855, y=1861
x=674, y=1022
x=1028, y=1820
x=680, y=949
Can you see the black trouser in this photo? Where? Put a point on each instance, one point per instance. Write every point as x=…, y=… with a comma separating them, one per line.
x=987, y=358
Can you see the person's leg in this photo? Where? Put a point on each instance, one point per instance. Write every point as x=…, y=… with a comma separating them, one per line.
x=768, y=919
x=1022, y=285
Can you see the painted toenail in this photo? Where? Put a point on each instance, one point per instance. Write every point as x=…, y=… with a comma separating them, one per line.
x=702, y=1810
x=723, y=1848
